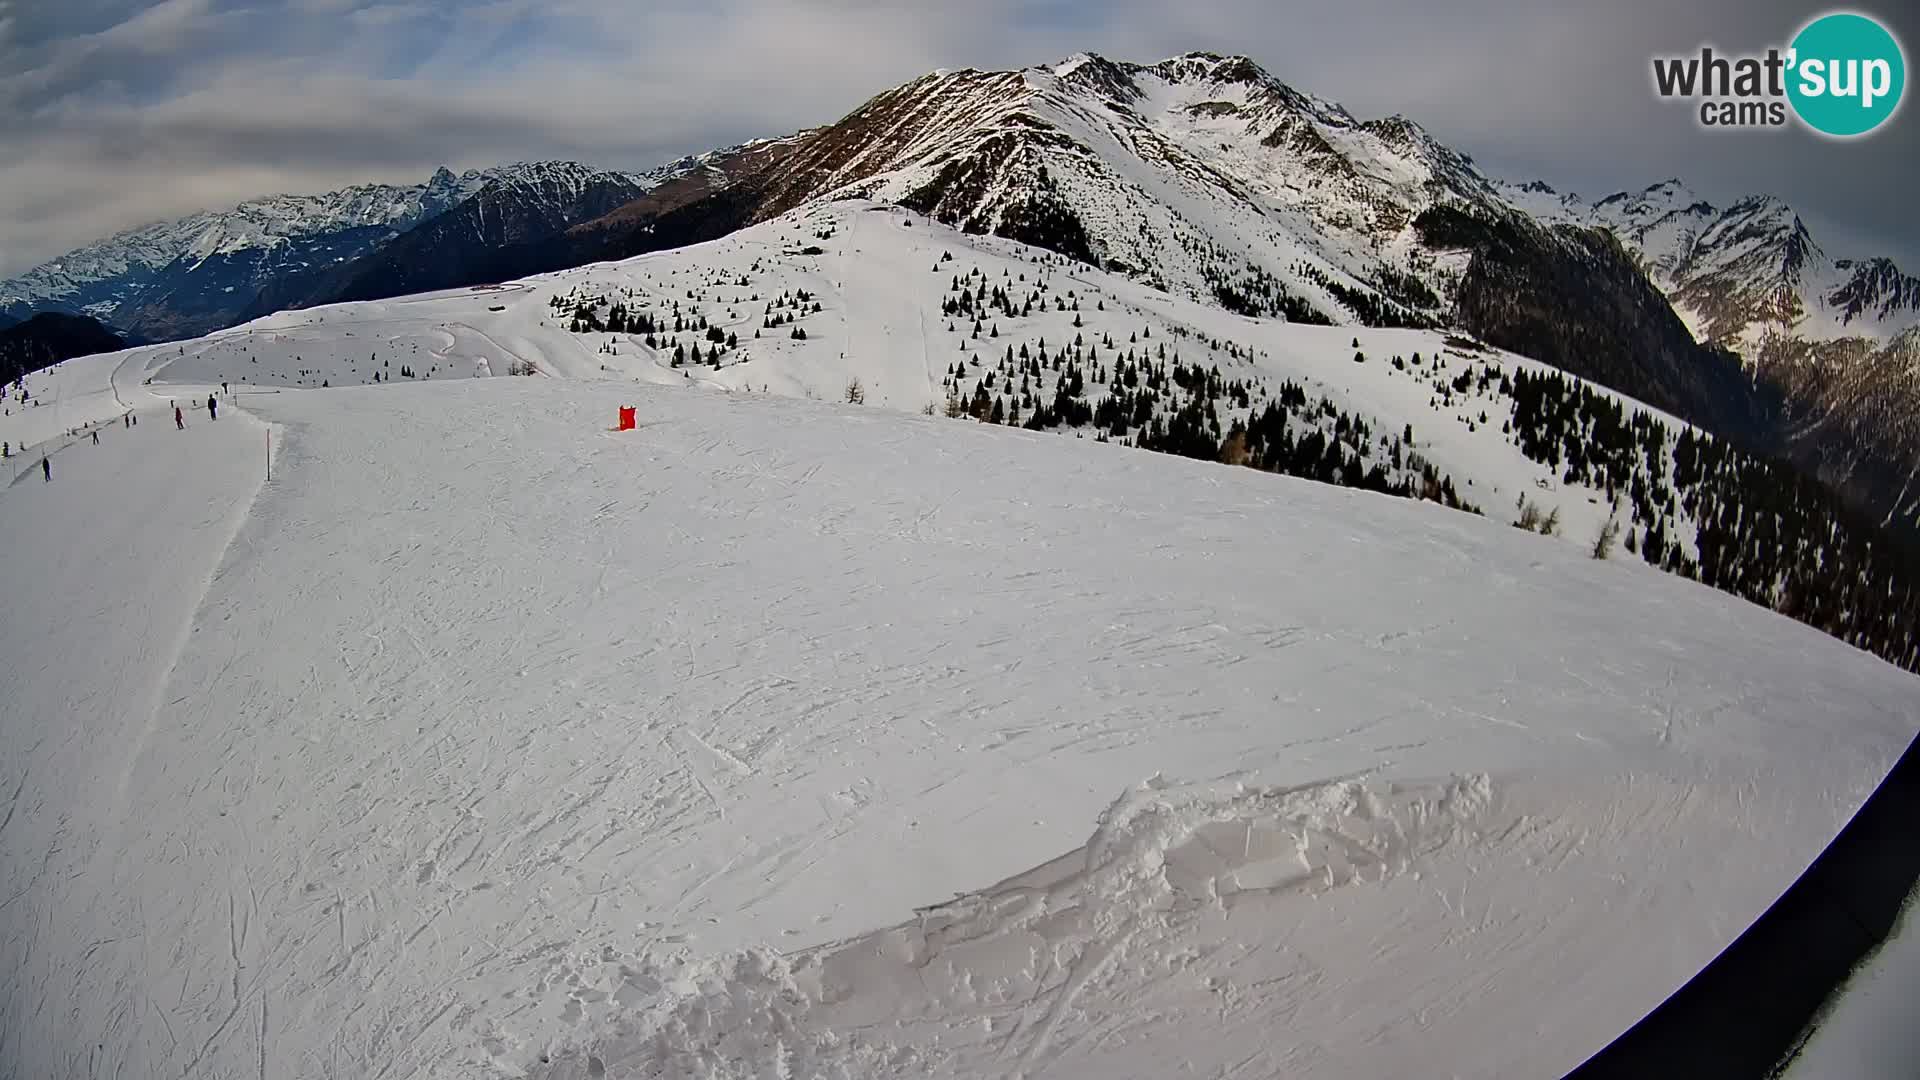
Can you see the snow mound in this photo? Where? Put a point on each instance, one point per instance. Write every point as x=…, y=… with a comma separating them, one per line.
x=1136, y=910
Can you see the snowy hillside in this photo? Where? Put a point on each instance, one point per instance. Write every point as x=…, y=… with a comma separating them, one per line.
x=817, y=739
x=854, y=299
x=887, y=285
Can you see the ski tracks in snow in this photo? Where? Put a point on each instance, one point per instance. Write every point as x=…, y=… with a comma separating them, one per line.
x=485, y=711
x=134, y=573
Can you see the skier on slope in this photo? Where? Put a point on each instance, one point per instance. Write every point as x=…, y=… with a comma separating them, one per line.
x=213, y=408
x=46, y=468
x=96, y=436
x=179, y=419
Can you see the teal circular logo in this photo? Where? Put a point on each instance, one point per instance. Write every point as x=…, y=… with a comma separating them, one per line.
x=1846, y=74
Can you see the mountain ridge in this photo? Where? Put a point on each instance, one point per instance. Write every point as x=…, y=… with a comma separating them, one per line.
x=187, y=276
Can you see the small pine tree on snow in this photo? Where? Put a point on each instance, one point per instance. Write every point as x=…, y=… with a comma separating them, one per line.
x=1603, y=541
x=1529, y=515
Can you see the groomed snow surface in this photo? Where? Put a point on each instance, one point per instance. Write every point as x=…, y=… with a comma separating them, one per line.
x=781, y=738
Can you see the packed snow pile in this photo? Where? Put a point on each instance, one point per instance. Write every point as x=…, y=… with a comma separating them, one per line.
x=775, y=735
x=1145, y=928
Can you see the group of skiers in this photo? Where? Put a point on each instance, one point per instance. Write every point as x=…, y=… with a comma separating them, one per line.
x=132, y=419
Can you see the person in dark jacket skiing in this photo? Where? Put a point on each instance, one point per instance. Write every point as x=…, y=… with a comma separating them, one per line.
x=96, y=436
x=179, y=419
x=46, y=468
x=213, y=408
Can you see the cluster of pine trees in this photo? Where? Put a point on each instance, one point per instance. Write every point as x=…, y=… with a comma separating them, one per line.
x=1405, y=288
x=1288, y=436
x=1258, y=294
x=1139, y=393
x=787, y=309
x=1371, y=308
x=1762, y=530
x=662, y=330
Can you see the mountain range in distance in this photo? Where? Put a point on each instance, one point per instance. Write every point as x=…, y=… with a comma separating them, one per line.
x=1201, y=175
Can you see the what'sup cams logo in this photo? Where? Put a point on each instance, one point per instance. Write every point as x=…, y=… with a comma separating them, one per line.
x=1842, y=76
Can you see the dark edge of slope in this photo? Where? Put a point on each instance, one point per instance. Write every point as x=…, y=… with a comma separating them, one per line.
x=1747, y=1013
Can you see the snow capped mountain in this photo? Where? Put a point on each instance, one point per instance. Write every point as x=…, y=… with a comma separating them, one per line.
x=1745, y=271
x=101, y=276
x=188, y=276
x=475, y=240
x=1202, y=175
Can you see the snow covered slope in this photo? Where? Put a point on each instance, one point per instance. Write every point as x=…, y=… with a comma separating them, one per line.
x=885, y=281
x=856, y=299
x=793, y=736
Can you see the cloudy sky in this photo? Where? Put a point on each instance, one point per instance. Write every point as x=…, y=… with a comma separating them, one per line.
x=114, y=113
